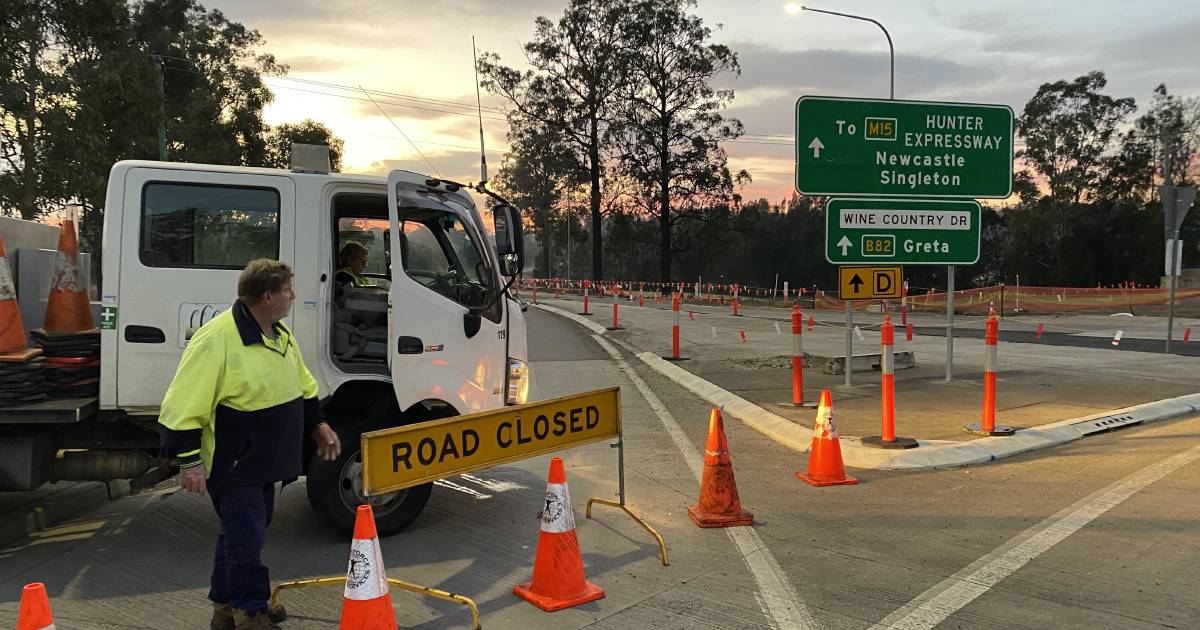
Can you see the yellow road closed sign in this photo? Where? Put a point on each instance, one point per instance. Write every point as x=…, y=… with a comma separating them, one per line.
x=411, y=455
x=870, y=283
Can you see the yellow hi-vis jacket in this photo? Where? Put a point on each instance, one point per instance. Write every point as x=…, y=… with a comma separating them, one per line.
x=240, y=402
x=346, y=275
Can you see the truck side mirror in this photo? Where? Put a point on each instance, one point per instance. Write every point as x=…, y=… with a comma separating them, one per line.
x=510, y=242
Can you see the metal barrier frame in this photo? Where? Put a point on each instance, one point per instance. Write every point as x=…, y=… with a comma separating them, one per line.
x=401, y=584
x=620, y=505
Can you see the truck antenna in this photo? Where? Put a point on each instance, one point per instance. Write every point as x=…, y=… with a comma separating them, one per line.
x=483, y=178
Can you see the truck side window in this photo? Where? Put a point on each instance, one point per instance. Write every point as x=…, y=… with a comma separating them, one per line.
x=208, y=226
x=442, y=255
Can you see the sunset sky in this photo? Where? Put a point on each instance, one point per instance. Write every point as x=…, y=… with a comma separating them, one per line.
x=987, y=51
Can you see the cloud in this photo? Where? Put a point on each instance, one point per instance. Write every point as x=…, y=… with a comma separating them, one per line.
x=847, y=72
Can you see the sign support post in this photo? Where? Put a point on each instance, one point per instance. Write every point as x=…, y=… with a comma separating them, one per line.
x=849, y=337
x=949, y=323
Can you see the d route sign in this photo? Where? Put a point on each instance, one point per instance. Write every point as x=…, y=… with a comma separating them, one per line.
x=902, y=231
x=870, y=283
x=867, y=147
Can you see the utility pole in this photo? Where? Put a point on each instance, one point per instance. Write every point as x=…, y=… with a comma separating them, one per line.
x=162, y=108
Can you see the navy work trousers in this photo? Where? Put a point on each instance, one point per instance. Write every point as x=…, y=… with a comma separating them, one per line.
x=239, y=578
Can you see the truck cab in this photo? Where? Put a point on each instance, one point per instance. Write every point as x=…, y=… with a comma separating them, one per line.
x=428, y=332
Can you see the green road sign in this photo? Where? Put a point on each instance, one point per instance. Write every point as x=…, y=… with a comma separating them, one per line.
x=882, y=148
x=902, y=231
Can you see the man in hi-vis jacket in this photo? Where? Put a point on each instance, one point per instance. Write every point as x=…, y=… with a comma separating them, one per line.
x=236, y=415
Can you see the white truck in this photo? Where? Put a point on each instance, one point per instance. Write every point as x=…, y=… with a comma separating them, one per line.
x=437, y=335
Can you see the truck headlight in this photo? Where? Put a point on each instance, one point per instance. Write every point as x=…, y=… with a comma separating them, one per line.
x=518, y=382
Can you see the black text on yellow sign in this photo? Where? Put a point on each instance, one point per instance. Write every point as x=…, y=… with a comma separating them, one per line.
x=419, y=453
x=870, y=283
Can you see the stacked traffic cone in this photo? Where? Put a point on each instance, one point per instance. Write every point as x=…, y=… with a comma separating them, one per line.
x=34, y=613
x=68, y=337
x=825, y=466
x=558, y=580
x=719, y=504
x=12, y=329
x=21, y=369
x=366, y=604
x=68, y=310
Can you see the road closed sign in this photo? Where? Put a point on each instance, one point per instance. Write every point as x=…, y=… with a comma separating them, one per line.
x=870, y=283
x=411, y=455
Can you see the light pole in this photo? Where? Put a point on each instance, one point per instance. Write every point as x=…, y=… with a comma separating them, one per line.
x=795, y=9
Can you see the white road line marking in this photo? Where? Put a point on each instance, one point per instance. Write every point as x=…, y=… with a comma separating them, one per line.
x=779, y=601
x=953, y=593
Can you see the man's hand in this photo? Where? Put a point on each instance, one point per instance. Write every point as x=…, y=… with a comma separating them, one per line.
x=328, y=444
x=192, y=479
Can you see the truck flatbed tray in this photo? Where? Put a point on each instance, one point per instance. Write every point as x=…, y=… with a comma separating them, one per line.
x=62, y=410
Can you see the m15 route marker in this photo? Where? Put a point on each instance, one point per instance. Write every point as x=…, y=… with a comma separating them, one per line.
x=867, y=147
x=902, y=231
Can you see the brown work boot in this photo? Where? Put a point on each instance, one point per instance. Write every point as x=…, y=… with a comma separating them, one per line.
x=260, y=621
x=278, y=614
x=222, y=618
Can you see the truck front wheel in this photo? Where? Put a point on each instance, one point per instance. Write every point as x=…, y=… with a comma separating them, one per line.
x=335, y=492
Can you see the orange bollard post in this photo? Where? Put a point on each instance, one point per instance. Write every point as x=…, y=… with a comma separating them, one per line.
x=1038, y=335
x=797, y=360
x=810, y=323
x=735, y=306
x=991, y=337
x=616, y=322
x=585, y=298
x=535, y=291
x=887, y=367
x=675, y=304
x=1187, y=334
x=903, y=315
x=908, y=332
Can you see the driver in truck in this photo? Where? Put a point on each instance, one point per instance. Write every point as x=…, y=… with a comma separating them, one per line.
x=236, y=415
x=353, y=259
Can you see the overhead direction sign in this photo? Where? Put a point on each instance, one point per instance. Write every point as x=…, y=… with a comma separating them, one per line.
x=902, y=231
x=870, y=283
x=868, y=147
x=411, y=455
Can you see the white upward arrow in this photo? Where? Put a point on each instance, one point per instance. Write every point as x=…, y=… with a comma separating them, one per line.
x=816, y=146
x=845, y=245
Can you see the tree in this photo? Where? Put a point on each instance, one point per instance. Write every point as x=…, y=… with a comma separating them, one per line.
x=535, y=176
x=1068, y=127
x=213, y=71
x=34, y=100
x=671, y=124
x=579, y=72
x=280, y=139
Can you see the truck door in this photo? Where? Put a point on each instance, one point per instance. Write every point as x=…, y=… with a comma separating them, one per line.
x=185, y=237
x=446, y=324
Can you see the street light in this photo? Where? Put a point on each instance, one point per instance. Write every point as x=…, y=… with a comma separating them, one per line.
x=793, y=8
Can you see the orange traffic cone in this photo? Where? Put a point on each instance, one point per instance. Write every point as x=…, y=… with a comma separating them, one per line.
x=12, y=329
x=558, y=580
x=367, y=604
x=68, y=310
x=719, y=504
x=34, y=613
x=825, y=466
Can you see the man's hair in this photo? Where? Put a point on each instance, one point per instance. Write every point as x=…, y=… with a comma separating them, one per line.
x=350, y=252
x=260, y=277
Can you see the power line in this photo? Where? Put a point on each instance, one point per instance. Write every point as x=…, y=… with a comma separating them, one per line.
x=414, y=145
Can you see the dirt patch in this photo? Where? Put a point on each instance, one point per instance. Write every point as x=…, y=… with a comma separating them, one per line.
x=766, y=363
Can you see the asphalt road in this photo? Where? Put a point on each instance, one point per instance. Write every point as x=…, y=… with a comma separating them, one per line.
x=1097, y=534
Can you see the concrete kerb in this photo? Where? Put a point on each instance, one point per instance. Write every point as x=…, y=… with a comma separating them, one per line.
x=933, y=453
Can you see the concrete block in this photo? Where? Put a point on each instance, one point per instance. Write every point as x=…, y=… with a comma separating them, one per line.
x=864, y=362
